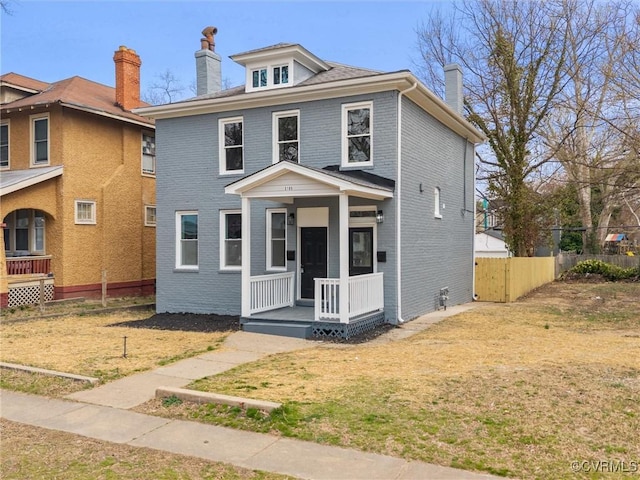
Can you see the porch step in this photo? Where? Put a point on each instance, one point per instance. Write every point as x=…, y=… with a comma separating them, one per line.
x=284, y=329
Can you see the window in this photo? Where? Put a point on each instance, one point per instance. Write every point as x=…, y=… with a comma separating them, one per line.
x=187, y=240
x=259, y=77
x=24, y=232
x=230, y=240
x=85, y=212
x=286, y=135
x=4, y=145
x=356, y=127
x=281, y=75
x=40, y=137
x=276, y=239
x=150, y=215
x=231, y=146
x=148, y=154
x=436, y=202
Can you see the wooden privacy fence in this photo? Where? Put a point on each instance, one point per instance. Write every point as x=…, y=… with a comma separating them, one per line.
x=507, y=279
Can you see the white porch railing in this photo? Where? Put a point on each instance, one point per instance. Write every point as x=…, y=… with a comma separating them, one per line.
x=366, y=294
x=269, y=292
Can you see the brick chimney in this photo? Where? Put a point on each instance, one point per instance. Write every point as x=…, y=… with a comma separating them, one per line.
x=208, y=64
x=453, y=87
x=127, y=78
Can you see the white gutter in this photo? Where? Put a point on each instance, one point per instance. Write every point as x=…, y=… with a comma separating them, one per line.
x=399, y=208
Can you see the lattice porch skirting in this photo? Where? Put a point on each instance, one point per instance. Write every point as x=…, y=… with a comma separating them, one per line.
x=347, y=330
x=28, y=292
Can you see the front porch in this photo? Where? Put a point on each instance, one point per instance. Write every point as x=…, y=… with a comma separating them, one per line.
x=344, y=290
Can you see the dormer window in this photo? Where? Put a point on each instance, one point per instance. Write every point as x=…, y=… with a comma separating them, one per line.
x=259, y=76
x=281, y=75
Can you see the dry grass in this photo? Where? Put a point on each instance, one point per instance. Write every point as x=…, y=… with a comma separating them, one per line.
x=87, y=345
x=32, y=452
x=521, y=389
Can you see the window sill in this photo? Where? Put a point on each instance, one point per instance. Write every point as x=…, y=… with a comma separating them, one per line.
x=230, y=270
x=186, y=270
x=232, y=172
x=356, y=165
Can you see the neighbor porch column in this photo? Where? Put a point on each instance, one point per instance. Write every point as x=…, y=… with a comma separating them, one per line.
x=344, y=258
x=245, y=292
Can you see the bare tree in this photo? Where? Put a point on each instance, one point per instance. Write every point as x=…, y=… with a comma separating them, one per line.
x=513, y=55
x=165, y=89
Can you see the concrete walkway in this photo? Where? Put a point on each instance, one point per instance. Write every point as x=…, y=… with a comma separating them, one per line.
x=102, y=413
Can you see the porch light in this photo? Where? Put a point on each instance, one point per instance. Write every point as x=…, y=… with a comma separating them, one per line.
x=379, y=216
x=291, y=219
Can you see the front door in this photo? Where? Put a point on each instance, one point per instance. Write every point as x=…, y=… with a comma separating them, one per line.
x=313, y=258
x=360, y=250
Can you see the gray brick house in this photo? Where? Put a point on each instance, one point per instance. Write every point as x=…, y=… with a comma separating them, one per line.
x=317, y=199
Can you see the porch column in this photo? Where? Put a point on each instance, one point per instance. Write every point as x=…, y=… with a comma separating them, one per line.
x=344, y=258
x=245, y=293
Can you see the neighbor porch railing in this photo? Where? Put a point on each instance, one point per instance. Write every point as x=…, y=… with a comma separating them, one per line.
x=28, y=265
x=366, y=295
x=269, y=292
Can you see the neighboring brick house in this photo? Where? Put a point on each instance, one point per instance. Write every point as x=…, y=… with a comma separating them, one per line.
x=313, y=179
x=77, y=187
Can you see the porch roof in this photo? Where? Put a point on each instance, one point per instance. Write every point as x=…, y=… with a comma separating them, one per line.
x=284, y=181
x=14, y=180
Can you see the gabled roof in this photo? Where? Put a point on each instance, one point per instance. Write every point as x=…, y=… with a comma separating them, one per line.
x=14, y=180
x=20, y=82
x=79, y=93
x=294, y=50
x=342, y=182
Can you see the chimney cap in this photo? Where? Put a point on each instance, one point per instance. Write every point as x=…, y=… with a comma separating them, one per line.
x=208, y=43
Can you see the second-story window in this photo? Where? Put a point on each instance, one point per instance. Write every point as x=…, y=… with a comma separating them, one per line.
x=40, y=136
x=356, y=138
x=286, y=136
x=231, y=146
x=148, y=154
x=4, y=145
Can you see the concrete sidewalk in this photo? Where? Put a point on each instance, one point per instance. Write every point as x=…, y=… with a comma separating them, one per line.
x=102, y=413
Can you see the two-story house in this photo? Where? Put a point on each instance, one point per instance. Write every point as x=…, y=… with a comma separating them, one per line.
x=317, y=199
x=77, y=187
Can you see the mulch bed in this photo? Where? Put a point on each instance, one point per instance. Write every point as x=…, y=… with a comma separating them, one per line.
x=207, y=323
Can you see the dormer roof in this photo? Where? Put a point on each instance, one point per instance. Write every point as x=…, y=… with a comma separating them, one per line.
x=280, y=52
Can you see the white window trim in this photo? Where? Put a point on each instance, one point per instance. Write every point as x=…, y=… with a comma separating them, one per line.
x=270, y=266
x=436, y=202
x=223, y=243
x=345, y=143
x=222, y=151
x=32, y=137
x=92, y=220
x=146, y=217
x=270, y=66
x=142, y=171
x=8, y=124
x=276, y=144
x=179, y=215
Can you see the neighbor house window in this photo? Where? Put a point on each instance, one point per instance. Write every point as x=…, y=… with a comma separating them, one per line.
x=4, y=145
x=356, y=138
x=436, y=203
x=187, y=240
x=259, y=77
x=148, y=154
x=281, y=75
x=231, y=145
x=276, y=239
x=85, y=212
x=286, y=136
x=150, y=215
x=24, y=232
x=40, y=140
x=230, y=240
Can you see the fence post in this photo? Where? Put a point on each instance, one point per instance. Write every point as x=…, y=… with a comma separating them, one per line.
x=41, y=295
x=104, y=288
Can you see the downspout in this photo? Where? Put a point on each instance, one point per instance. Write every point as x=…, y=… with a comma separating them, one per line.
x=399, y=208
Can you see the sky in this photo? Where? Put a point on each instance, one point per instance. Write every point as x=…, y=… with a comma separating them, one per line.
x=57, y=39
